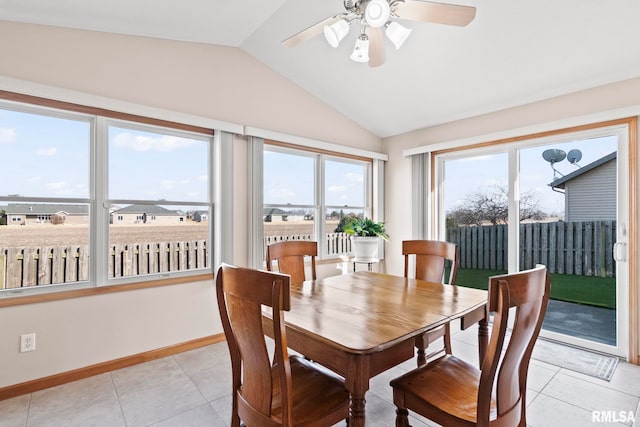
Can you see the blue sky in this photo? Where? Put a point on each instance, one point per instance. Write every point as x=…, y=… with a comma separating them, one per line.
x=290, y=179
x=48, y=157
x=465, y=176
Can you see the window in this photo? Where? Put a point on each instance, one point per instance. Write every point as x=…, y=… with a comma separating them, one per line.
x=151, y=203
x=46, y=173
x=307, y=195
x=71, y=178
x=558, y=200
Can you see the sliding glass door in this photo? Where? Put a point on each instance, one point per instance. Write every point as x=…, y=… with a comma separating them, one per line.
x=559, y=201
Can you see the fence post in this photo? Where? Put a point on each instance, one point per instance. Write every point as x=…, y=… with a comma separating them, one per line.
x=3, y=268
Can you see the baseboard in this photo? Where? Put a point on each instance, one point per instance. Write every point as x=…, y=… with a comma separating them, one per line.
x=101, y=368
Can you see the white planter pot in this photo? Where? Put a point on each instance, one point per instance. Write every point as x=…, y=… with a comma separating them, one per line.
x=365, y=248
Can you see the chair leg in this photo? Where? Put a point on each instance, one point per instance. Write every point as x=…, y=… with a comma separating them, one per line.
x=402, y=417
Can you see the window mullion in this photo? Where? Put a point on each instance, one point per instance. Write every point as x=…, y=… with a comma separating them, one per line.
x=320, y=209
x=99, y=237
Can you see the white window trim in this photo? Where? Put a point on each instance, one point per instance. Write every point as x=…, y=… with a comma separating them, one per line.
x=373, y=199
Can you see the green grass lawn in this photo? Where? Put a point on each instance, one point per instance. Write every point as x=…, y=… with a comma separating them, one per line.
x=597, y=291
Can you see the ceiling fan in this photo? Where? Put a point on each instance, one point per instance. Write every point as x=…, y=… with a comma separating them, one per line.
x=374, y=17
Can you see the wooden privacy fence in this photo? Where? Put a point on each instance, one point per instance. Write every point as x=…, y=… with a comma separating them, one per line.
x=46, y=265
x=578, y=248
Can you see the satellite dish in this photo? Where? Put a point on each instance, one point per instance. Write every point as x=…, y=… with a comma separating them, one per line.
x=574, y=156
x=553, y=155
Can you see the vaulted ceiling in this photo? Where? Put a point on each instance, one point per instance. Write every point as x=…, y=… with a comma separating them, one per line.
x=512, y=53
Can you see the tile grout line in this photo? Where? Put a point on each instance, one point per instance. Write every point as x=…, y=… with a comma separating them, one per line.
x=115, y=390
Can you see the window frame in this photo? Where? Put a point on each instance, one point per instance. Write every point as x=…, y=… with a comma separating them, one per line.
x=97, y=201
x=319, y=206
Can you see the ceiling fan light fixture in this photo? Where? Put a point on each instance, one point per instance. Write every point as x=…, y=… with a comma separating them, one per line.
x=335, y=32
x=397, y=33
x=377, y=13
x=361, y=49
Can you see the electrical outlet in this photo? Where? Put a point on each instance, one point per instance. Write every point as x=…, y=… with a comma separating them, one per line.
x=27, y=342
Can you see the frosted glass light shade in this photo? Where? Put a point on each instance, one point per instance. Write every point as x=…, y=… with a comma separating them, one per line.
x=397, y=33
x=336, y=32
x=361, y=50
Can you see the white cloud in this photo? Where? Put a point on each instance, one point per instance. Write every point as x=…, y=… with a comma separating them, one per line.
x=203, y=178
x=168, y=184
x=56, y=185
x=336, y=188
x=47, y=152
x=147, y=143
x=185, y=181
x=355, y=177
x=282, y=193
x=7, y=135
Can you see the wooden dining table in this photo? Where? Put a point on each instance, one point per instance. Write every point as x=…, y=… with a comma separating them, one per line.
x=361, y=324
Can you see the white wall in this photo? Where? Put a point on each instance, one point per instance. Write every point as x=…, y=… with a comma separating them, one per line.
x=79, y=332
x=168, y=80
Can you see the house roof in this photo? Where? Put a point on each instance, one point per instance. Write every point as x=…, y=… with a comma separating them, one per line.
x=147, y=209
x=511, y=54
x=275, y=211
x=560, y=182
x=45, y=209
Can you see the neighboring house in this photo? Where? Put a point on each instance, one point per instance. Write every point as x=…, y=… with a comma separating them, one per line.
x=201, y=216
x=590, y=192
x=29, y=213
x=279, y=215
x=147, y=214
x=275, y=215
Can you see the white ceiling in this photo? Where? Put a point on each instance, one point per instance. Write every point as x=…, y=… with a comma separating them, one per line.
x=514, y=52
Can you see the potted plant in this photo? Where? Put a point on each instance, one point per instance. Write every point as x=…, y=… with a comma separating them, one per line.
x=365, y=236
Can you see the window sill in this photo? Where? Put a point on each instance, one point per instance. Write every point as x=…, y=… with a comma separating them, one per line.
x=101, y=290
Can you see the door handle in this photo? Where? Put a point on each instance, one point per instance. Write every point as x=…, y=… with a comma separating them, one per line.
x=620, y=251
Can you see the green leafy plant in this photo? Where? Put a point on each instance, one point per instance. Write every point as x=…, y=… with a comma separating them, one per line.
x=364, y=227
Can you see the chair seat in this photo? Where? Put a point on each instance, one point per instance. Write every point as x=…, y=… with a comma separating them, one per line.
x=456, y=393
x=319, y=396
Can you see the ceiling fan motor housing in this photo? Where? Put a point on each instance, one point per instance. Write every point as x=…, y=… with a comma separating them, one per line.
x=376, y=13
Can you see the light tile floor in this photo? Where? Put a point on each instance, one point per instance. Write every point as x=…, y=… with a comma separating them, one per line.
x=192, y=389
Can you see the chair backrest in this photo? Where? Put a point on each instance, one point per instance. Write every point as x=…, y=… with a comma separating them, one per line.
x=430, y=256
x=290, y=256
x=241, y=295
x=523, y=296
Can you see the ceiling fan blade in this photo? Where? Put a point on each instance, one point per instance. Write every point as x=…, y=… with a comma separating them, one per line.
x=376, y=47
x=439, y=13
x=312, y=31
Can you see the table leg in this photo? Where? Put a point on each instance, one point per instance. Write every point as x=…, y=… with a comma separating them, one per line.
x=357, y=410
x=357, y=382
x=483, y=337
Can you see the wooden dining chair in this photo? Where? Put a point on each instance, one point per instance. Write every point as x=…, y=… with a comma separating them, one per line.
x=430, y=258
x=290, y=257
x=455, y=393
x=288, y=390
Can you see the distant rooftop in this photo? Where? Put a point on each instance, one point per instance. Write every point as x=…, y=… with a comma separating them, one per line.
x=45, y=209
